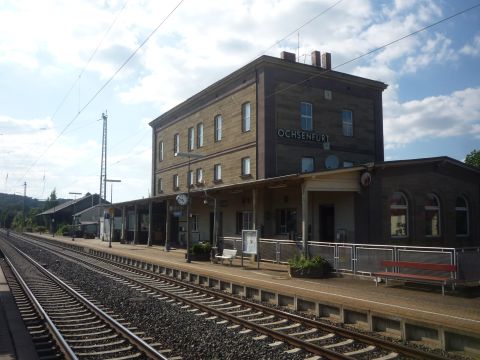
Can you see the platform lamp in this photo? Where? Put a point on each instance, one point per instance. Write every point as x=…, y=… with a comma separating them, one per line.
x=73, y=216
x=112, y=209
x=190, y=156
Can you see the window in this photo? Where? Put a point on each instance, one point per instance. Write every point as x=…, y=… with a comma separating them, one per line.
x=286, y=221
x=190, y=178
x=217, y=172
x=461, y=217
x=245, y=166
x=199, y=176
x=160, y=151
x=218, y=127
x=347, y=123
x=194, y=221
x=199, y=135
x=246, y=117
x=432, y=215
x=191, y=138
x=244, y=221
x=307, y=164
x=347, y=164
x=306, y=116
x=175, y=182
x=159, y=186
x=398, y=215
x=176, y=143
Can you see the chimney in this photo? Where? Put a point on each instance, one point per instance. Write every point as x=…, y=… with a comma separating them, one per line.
x=287, y=56
x=316, y=58
x=327, y=61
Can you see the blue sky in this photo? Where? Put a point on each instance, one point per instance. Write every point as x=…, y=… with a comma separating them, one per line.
x=50, y=133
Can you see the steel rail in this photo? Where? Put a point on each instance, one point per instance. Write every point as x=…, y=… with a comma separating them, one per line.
x=367, y=339
x=60, y=340
x=134, y=339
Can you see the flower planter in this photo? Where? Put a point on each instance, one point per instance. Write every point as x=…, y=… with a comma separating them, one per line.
x=312, y=273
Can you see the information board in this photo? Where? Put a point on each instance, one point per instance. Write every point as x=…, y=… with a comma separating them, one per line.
x=249, y=242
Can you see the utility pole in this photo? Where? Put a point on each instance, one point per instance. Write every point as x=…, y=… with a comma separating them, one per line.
x=23, y=210
x=103, y=167
x=103, y=170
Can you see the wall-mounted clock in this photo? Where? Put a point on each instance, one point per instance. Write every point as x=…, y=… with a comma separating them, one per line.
x=182, y=199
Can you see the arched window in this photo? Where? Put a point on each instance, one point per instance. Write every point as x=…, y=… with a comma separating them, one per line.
x=461, y=216
x=398, y=215
x=432, y=215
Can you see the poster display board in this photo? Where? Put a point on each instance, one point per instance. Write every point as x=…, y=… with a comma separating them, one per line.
x=249, y=241
x=250, y=244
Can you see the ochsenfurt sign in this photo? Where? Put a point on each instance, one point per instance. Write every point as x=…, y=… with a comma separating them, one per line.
x=302, y=135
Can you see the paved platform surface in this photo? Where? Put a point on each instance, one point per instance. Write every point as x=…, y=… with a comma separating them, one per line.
x=15, y=342
x=459, y=310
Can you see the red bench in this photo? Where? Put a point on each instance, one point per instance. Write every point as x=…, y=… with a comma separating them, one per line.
x=435, y=279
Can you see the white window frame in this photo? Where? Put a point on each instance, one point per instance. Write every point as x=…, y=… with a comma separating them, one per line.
x=304, y=158
x=433, y=209
x=218, y=127
x=160, y=151
x=463, y=209
x=347, y=123
x=199, y=175
x=246, y=170
x=191, y=138
x=190, y=178
x=160, y=186
x=199, y=135
x=306, y=116
x=400, y=207
x=176, y=182
x=217, y=172
x=246, y=116
x=176, y=143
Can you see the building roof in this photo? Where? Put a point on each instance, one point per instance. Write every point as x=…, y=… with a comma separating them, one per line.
x=311, y=71
x=66, y=204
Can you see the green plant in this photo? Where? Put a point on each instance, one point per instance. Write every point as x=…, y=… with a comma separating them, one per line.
x=201, y=249
x=306, y=264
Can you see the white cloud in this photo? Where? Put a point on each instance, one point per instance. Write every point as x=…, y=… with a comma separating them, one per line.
x=472, y=49
x=456, y=114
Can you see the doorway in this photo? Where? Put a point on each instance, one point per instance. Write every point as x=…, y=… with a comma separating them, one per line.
x=327, y=223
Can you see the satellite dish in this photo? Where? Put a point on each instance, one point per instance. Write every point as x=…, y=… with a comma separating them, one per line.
x=331, y=162
x=366, y=179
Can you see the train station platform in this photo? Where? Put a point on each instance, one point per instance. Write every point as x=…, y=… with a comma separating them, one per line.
x=355, y=300
x=15, y=341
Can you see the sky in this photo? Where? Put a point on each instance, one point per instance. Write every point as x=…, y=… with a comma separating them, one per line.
x=64, y=63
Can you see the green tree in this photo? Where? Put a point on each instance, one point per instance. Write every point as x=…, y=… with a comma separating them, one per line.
x=51, y=200
x=473, y=159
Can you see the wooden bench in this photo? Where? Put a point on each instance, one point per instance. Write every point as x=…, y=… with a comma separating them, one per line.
x=435, y=279
x=227, y=254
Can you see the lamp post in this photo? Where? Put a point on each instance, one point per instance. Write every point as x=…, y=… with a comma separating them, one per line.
x=112, y=214
x=73, y=216
x=189, y=230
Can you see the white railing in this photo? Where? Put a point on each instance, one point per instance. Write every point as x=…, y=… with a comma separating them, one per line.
x=366, y=258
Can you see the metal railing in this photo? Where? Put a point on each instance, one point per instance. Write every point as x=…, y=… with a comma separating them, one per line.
x=366, y=259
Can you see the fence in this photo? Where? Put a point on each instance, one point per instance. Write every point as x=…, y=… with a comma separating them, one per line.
x=366, y=258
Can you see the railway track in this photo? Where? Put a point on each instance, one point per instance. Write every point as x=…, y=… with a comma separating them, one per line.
x=65, y=324
x=302, y=335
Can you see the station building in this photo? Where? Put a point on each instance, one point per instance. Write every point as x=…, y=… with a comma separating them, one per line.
x=296, y=151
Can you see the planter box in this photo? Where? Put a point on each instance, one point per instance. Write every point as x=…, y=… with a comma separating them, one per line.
x=199, y=257
x=313, y=273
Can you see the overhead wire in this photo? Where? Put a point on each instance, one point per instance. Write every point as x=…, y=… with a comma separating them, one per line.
x=375, y=50
x=104, y=85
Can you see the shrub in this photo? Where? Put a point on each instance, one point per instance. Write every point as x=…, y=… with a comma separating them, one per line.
x=40, y=229
x=201, y=249
x=316, y=265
